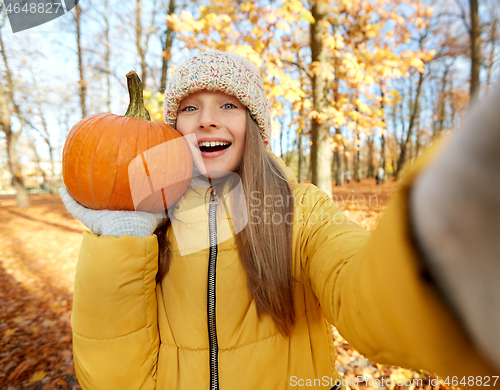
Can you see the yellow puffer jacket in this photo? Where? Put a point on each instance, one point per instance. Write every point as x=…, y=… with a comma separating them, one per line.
x=129, y=333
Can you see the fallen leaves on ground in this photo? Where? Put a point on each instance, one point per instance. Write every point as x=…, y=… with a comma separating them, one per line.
x=39, y=249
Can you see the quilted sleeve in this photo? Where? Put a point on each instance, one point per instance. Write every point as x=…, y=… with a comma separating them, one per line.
x=114, y=319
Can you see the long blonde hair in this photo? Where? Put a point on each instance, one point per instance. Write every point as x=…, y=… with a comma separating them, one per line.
x=264, y=248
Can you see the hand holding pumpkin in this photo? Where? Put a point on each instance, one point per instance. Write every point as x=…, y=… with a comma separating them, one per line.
x=112, y=223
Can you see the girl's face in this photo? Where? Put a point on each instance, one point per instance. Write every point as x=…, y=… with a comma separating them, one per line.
x=219, y=122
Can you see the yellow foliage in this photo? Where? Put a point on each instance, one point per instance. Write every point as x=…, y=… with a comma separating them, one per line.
x=174, y=22
x=271, y=18
x=247, y=6
x=297, y=106
x=293, y=95
x=154, y=104
x=363, y=107
x=369, y=79
x=283, y=25
x=417, y=63
x=271, y=36
x=307, y=16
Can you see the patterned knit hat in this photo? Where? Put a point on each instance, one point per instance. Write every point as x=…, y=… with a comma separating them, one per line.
x=219, y=71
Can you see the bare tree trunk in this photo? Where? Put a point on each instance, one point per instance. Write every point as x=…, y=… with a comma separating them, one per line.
x=82, y=83
x=12, y=137
x=357, y=149
x=442, y=101
x=282, y=130
x=142, y=48
x=340, y=165
x=15, y=170
x=301, y=158
x=475, y=32
x=402, y=120
x=107, y=56
x=454, y=118
x=382, y=145
x=394, y=121
x=44, y=133
x=406, y=143
x=339, y=173
x=357, y=167
x=346, y=162
x=417, y=143
x=307, y=162
x=371, y=166
x=334, y=165
x=491, y=62
x=320, y=131
x=382, y=156
x=167, y=41
x=410, y=150
x=38, y=160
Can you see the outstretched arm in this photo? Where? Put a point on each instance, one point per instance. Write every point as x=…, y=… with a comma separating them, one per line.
x=375, y=289
x=422, y=291
x=456, y=215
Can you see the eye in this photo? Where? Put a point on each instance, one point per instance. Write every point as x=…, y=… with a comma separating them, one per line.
x=187, y=108
x=229, y=104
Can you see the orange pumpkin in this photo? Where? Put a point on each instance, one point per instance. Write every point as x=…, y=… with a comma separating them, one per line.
x=114, y=162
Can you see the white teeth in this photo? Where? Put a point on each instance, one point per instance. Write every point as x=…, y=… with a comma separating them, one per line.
x=213, y=143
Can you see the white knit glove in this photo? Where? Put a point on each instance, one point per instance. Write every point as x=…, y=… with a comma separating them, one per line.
x=456, y=215
x=112, y=223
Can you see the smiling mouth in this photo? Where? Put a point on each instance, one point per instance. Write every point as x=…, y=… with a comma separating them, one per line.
x=212, y=147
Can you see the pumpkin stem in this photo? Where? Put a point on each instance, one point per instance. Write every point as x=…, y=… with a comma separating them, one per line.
x=136, y=107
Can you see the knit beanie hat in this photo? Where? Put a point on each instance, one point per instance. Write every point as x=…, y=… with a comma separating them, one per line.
x=219, y=71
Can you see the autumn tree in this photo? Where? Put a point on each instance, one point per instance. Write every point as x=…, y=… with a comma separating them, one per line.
x=482, y=30
x=82, y=82
x=346, y=51
x=167, y=38
x=475, y=55
x=9, y=109
x=43, y=132
x=320, y=129
x=143, y=37
x=104, y=39
x=491, y=40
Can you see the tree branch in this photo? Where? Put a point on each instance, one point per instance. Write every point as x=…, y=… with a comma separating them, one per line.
x=300, y=66
x=463, y=16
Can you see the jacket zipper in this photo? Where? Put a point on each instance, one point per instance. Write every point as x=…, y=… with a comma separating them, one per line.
x=211, y=317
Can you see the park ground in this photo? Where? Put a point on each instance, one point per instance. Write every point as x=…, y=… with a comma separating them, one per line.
x=38, y=254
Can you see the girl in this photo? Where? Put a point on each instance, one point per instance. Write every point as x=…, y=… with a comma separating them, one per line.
x=195, y=303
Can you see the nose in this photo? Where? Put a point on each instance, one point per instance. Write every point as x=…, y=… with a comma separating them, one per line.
x=208, y=119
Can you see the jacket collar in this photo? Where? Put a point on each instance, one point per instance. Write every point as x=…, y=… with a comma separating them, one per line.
x=193, y=205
